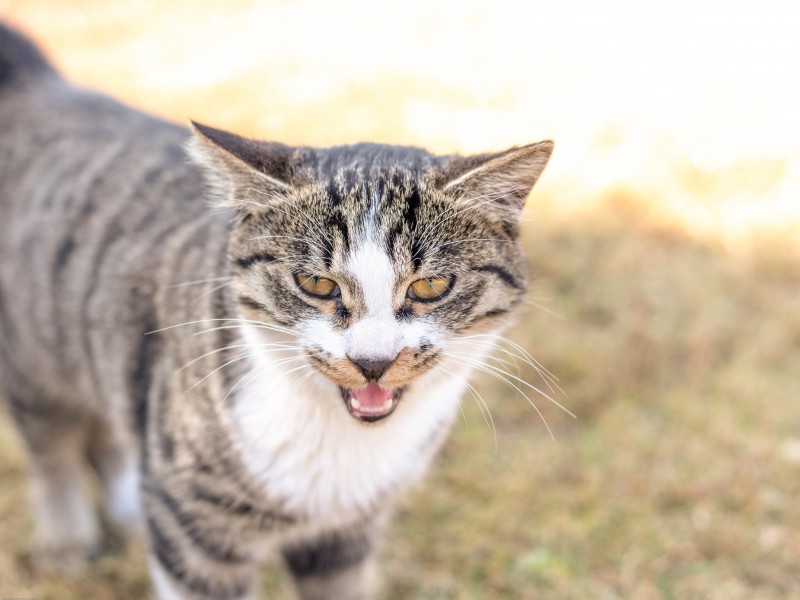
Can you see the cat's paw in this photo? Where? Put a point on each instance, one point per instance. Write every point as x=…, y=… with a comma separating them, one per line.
x=65, y=541
x=70, y=556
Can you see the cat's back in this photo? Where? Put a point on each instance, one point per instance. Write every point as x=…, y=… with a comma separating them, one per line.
x=93, y=196
x=49, y=126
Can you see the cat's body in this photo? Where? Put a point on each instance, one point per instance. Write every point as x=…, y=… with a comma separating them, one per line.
x=228, y=410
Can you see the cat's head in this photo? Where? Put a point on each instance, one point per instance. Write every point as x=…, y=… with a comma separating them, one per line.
x=373, y=259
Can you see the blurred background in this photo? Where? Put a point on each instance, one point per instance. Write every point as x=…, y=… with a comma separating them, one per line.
x=664, y=238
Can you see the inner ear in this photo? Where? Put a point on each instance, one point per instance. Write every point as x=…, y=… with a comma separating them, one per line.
x=504, y=179
x=270, y=159
x=244, y=171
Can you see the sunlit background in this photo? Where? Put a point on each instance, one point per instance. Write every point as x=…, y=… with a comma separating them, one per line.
x=666, y=235
x=694, y=103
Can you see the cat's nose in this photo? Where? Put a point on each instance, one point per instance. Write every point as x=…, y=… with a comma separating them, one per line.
x=371, y=368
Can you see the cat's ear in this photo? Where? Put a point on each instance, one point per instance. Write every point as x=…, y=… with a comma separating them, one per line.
x=502, y=180
x=243, y=173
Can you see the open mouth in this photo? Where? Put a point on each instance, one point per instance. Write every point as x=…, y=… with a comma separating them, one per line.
x=371, y=402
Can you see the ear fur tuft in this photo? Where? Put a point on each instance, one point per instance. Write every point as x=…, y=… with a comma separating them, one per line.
x=241, y=172
x=503, y=179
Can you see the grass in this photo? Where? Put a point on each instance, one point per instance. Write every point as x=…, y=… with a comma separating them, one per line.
x=678, y=479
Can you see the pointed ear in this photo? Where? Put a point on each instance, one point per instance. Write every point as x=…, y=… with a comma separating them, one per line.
x=243, y=172
x=502, y=180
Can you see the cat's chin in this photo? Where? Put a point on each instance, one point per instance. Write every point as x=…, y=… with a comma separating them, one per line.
x=372, y=402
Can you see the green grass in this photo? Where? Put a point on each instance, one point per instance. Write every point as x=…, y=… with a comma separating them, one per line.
x=679, y=478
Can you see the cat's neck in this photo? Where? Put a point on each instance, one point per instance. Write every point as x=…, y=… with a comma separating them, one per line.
x=298, y=438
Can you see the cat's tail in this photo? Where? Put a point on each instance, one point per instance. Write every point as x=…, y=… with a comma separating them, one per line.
x=20, y=60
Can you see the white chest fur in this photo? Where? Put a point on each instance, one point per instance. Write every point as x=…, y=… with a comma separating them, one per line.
x=299, y=439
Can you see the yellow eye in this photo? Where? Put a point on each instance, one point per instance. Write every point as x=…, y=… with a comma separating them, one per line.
x=433, y=288
x=321, y=287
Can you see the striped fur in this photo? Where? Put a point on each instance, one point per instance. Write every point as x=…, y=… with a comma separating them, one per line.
x=164, y=339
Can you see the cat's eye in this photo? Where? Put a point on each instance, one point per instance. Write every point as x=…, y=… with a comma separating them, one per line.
x=320, y=287
x=430, y=288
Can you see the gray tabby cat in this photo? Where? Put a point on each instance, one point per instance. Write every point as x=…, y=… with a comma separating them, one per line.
x=264, y=373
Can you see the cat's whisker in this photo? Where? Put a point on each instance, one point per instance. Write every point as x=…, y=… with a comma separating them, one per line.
x=545, y=377
x=428, y=230
x=268, y=196
x=503, y=374
x=249, y=375
x=442, y=378
x=463, y=414
x=198, y=282
x=276, y=347
x=511, y=363
x=277, y=328
x=469, y=240
x=242, y=356
x=238, y=322
x=236, y=359
x=216, y=288
x=273, y=237
x=268, y=327
x=481, y=367
x=494, y=195
x=320, y=235
x=306, y=371
x=544, y=309
x=198, y=321
x=516, y=346
x=550, y=380
x=309, y=373
x=301, y=367
x=487, y=414
x=260, y=370
x=543, y=372
x=471, y=205
x=320, y=240
x=290, y=258
x=287, y=257
x=452, y=212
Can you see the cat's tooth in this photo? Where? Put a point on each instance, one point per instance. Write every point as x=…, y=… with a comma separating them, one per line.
x=388, y=404
x=355, y=403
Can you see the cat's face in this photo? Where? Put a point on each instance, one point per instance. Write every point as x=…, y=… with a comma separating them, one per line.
x=374, y=259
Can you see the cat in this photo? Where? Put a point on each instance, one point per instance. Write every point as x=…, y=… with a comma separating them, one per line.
x=257, y=350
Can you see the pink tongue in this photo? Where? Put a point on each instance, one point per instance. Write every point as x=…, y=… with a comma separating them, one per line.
x=372, y=397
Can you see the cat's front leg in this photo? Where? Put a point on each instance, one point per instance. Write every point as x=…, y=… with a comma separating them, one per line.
x=338, y=564
x=192, y=554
